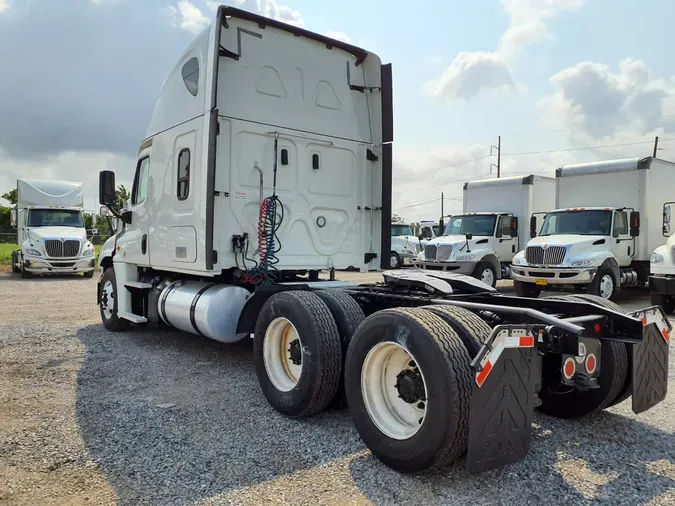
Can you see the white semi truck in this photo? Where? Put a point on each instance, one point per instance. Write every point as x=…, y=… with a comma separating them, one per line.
x=662, y=265
x=267, y=160
x=605, y=226
x=404, y=245
x=49, y=218
x=482, y=241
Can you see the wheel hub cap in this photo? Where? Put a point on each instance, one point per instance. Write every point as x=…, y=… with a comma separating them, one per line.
x=606, y=286
x=410, y=386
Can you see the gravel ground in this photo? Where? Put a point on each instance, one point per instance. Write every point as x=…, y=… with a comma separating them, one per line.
x=155, y=416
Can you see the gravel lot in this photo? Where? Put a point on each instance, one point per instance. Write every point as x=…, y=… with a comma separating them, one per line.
x=155, y=416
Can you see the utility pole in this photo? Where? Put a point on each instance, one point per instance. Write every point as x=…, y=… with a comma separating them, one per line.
x=656, y=146
x=441, y=224
x=498, y=147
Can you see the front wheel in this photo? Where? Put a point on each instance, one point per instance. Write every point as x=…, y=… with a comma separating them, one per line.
x=108, y=303
x=529, y=290
x=24, y=273
x=15, y=262
x=89, y=274
x=667, y=302
x=603, y=285
x=394, y=260
x=486, y=273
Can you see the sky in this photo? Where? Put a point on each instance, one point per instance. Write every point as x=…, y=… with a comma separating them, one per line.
x=561, y=81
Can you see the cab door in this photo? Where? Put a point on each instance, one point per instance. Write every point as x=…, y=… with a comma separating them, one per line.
x=133, y=243
x=623, y=245
x=506, y=246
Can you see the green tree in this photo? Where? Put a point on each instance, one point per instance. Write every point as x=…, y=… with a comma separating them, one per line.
x=122, y=196
x=11, y=196
x=396, y=218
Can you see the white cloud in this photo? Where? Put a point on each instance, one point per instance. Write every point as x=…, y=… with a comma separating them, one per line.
x=469, y=74
x=267, y=8
x=191, y=17
x=4, y=6
x=338, y=36
x=601, y=106
x=473, y=73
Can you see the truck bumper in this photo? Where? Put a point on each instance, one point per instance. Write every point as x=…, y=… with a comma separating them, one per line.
x=456, y=267
x=550, y=276
x=41, y=265
x=662, y=284
x=406, y=258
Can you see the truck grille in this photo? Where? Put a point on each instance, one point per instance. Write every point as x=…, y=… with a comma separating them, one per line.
x=444, y=252
x=62, y=249
x=553, y=255
x=430, y=252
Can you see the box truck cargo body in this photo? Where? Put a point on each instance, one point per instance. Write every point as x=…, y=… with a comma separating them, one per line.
x=492, y=212
x=49, y=218
x=606, y=224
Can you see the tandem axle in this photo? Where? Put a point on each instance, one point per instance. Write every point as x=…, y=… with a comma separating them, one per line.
x=421, y=352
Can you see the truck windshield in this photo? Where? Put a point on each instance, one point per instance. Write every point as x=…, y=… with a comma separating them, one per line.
x=481, y=224
x=397, y=230
x=591, y=222
x=55, y=218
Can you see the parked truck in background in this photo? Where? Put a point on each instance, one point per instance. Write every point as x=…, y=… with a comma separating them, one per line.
x=405, y=245
x=662, y=265
x=600, y=237
x=49, y=218
x=482, y=241
x=267, y=160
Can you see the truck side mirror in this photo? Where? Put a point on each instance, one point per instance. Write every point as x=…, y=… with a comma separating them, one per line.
x=93, y=220
x=533, y=227
x=634, y=224
x=106, y=188
x=12, y=218
x=514, y=226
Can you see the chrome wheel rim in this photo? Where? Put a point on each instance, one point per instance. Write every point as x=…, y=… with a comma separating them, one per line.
x=606, y=286
x=107, y=299
x=487, y=277
x=393, y=261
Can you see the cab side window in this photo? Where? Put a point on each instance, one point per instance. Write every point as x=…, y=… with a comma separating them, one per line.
x=183, y=189
x=140, y=188
x=621, y=223
x=504, y=227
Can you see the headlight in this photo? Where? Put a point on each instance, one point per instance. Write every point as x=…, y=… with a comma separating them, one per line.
x=464, y=258
x=580, y=263
x=88, y=251
x=656, y=258
x=515, y=261
x=33, y=252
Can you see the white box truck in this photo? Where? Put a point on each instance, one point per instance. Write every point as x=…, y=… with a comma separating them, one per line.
x=49, y=218
x=605, y=226
x=268, y=159
x=482, y=241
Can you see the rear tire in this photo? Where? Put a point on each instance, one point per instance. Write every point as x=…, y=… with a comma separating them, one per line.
x=667, y=302
x=613, y=380
x=108, y=303
x=471, y=329
x=528, y=290
x=348, y=315
x=388, y=423
x=297, y=353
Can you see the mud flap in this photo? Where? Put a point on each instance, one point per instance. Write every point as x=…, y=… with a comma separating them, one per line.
x=650, y=359
x=503, y=398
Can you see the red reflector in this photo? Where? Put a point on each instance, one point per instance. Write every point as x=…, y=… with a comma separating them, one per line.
x=597, y=328
x=590, y=364
x=665, y=335
x=644, y=321
x=480, y=379
x=526, y=342
x=569, y=368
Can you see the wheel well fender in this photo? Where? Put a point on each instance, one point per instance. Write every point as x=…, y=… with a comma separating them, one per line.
x=106, y=262
x=492, y=259
x=611, y=264
x=249, y=314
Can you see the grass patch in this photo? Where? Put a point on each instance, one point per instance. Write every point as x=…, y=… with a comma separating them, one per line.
x=6, y=252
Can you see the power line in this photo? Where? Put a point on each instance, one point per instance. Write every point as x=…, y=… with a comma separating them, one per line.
x=584, y=148
x=415, y=204
x=445, y=167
